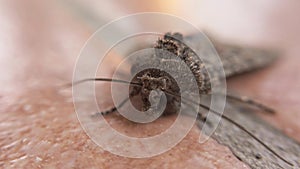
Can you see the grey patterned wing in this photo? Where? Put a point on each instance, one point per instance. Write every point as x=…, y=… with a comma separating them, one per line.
x=249, y=150
x=236, y=59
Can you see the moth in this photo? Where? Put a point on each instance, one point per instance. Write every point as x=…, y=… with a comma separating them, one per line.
x=236, y=60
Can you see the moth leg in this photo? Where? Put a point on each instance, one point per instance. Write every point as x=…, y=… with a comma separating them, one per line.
x=115, y=108
x=249, y=101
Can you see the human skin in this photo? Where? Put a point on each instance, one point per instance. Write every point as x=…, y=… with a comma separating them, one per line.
x=38, y=125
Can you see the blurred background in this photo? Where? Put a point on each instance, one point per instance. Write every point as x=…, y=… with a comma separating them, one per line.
x=43, y=39
x=40, y=41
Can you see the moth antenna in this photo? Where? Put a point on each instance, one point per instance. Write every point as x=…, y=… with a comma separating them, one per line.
x=236, y=124
x=115, y=108
x=248, y=132
x=103, y=80
x=249, y=101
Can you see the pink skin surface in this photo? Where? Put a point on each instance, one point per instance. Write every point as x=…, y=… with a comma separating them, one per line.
x=38, y=125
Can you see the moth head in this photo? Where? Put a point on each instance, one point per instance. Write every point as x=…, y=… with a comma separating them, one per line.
x=153, y=80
